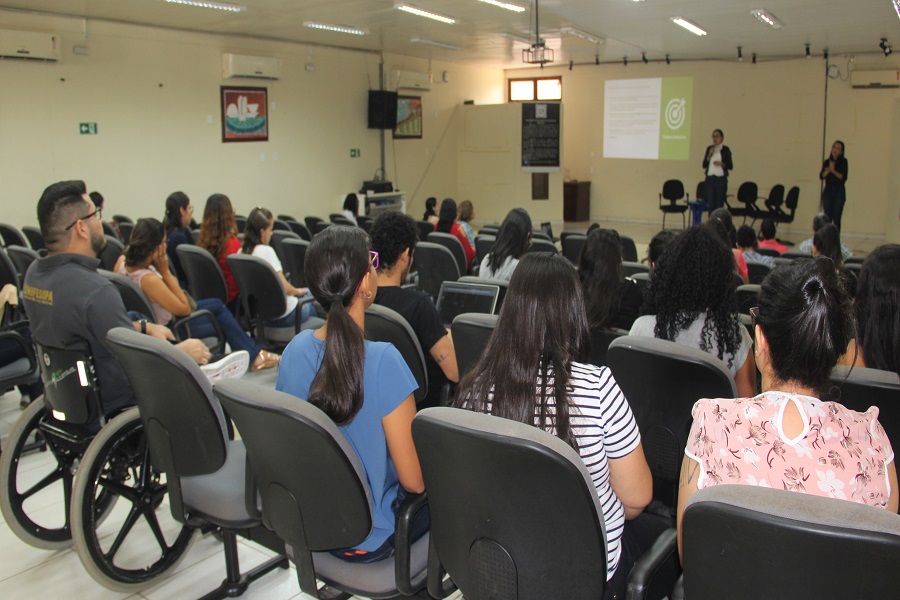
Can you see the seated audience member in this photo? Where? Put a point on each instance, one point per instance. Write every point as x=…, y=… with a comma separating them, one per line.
x=827, y=242
x=365, y=387
x=820, y=220
x=720, y=222
x=430, y=214
x=10, y=349
x=790, y=437
x=146, y=263
x=513, y=240
x=767, y=231
x=97, y=199
x=257, y=235
x=611, y=300
x=179, y=212
x=657, y=245
x=877, y=308
x=69, y=304
x=394, y=238
x=535, y=376
x=466, y=214
x=447, y=224
x=351, y=207
x=746, y=241
x=591, y=228
x=218, y=236
x=692, y=295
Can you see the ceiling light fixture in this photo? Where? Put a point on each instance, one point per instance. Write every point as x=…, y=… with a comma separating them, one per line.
x=586, y=36
x=335, y=28
x=807, y=51
x=435, y=43
x=506, y=5
x=692, y=27
x=763, y=16
x=424, y=13
x=885, y=47
x=897, y=7
x=538, y=53
x=209, y=4
x=740, y=54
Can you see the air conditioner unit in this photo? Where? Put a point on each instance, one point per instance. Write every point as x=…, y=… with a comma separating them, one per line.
x=259, y=67
x=875, y=79
x=411, y=80
x=29, y=45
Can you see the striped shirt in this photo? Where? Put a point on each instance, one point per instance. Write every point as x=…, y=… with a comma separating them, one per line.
x=604, y=426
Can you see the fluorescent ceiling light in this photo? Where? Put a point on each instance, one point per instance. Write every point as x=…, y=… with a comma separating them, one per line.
x=587, y=36
x=767, y=18
x=523, y=39
x=435, y=43
x=209, y=4
x=508, y=6
x=897, y=7
x=692, y=27
x=337, y=28
x=424, y=13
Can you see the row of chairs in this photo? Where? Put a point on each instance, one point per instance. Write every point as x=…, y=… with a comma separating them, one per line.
x=779, y=206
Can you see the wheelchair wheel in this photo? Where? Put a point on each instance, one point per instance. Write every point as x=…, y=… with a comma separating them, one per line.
x=31, y=484
x=140, y=541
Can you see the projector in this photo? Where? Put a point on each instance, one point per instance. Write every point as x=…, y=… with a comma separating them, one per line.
x=376, y=186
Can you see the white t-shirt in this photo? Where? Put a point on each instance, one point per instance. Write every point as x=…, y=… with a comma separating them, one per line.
x=267, y=253
x=714, y=169
x=504, y=272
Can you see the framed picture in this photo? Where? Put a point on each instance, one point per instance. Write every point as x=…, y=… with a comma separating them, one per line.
x=245, y=114
x=409, y=117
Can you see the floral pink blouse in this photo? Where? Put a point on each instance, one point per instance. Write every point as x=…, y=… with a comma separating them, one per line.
x=840, y=453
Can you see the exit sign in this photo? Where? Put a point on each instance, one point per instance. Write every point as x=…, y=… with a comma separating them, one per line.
x=87, y=128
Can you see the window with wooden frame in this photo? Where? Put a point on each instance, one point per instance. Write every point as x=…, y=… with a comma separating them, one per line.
x=534, y=88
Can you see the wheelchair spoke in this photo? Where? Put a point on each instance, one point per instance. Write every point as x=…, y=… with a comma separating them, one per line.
x=119, y=489
x=51, y=477
x=150, y=515
x=132, y=518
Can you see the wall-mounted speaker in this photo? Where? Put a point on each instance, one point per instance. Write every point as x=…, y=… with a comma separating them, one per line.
x=382, y=109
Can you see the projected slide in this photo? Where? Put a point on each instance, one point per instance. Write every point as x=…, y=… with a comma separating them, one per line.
x=648, y=118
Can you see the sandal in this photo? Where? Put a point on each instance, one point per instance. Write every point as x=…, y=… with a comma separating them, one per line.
x=269, y=360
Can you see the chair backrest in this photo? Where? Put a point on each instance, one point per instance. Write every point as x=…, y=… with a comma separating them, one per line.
x=747, y=297
x=791, y=199
x=365, y=223
x=339, y=219
x=311, y=223
x=450, y=242
x=600, y=341
x=204, y=276
x=241, y=222
x=768, y=252
x=300, y=229
x=279, y=225
x=287, y=218
x=321, y=226
x=293, y=254
x=21, y=258
x=642, y=279
x=701, y=191
x=673, y=190
x=108, y=229
x=8, y=272
x=133, y=297
x=794, y=254
x=629, y=250
x=483, y=246
x=71, y=388
x=776, y=197
x=125, y=230
x=111, y=253
x=540, y=244
x=791, y=537
x=425, y=227
x=184, y=423
x=747, y=192
x=491, y=542
x=757, y=271
x=262, y=294
x=277, y=240
x=572, y=245
x=195, y=235
x=35, y=238
x=862, y=388
x=539, y=234
x=12, y=236
x=489, y=230
x=386, y=325
x=662, y=380
x=471, y=332
x=435, y=264
x=503, y=284
x=630, y=268
x=119, y=219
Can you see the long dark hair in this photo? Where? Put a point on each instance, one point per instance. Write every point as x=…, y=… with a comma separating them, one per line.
x=827, y=241
x=525, y=377
x=430, y=203
x=145, y=238
x=336, y=262
x=351, y=203
x=218, y=225
x=693, y=276
x=447, y=216
x=258, y=219
x=877, y=307
x=600, y=272
x=804, y=312
x=512, y=239
x=174, y=203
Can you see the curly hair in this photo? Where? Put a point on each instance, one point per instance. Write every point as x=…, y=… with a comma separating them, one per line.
x=693, y=277
x=218, y=225
x=146, y=237
x=392, y=233
x=600, y=272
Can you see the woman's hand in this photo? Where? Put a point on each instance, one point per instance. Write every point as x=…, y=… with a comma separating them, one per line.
x=161, y=259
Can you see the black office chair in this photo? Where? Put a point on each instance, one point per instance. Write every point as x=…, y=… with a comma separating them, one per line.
x=425, y=227
x=483, y=246
x=471, y=332
x=287, y=218
x=435, y=265
x=791, y=537
x=321, y=226
x=291, y=443
x=35, y=238
x=21, y=258
x=489, y=230
x=514, y=513
x=195, y=236
x=187, y=437
x=662, y=380
x=241, y=222
x=119, y=219
x=747, y=195
x=503, y=284
x=643, y=282
x=125, y=230
x=757, y=271
x=339, y=219
x=109, y=230
x=450, y=242
x=386, y=325
x=11, y=236
x=790, y=202
x=795, y=254
x=311, y=223
x=629, y=250
x=293, y=257
x=768, y=252
x=365, y=223
x=773, y=203
x=600, y=341
x=8, y=272
x=111, y=253
x=540, y=244
x=300, y=229
x=861, y=388
x=279, y=225
x=538, y=234
x=669, y=200
x=24, y=370
x=747, y=296
x=572, y=243
x=277, y=241
x=630, y=268
x=204, y=276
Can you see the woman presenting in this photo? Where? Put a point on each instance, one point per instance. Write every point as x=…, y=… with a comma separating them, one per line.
x=716, y=164
x=834, y=173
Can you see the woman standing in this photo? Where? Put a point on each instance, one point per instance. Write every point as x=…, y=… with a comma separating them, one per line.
x=834, y=173
x=218, y=236
x=716, y=165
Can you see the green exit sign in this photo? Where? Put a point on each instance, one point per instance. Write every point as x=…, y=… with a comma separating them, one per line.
x=87, y=128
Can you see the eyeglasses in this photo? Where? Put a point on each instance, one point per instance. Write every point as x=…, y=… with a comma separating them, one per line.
x=190, y=208
x=373, y=259
x=98, y=212
x=754, y=315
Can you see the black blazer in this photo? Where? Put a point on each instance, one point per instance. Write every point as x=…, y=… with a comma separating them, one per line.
x=726, y=159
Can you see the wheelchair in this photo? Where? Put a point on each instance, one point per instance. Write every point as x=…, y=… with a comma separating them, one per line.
x=99, y=464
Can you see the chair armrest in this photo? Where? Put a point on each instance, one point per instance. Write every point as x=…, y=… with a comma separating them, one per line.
x=27, y=349
x=678, y=590
x=298, y=317
x=664, y=548
x=410, y=286
x=184, y=324
x=405, y=515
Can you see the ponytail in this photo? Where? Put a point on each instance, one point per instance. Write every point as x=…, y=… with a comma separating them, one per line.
x=258, y=219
